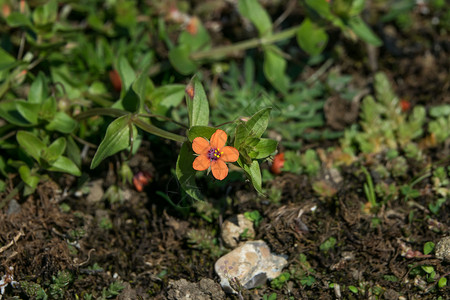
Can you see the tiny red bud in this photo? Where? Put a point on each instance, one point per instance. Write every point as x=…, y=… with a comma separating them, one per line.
x=115, y=80
x=190, y=91
x=277, y=164
x=405, y=105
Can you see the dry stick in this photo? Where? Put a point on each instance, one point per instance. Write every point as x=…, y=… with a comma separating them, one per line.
x=16, y=238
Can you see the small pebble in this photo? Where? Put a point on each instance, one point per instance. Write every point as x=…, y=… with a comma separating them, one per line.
x=234, y=228
x=443, y=249
x=251, y=264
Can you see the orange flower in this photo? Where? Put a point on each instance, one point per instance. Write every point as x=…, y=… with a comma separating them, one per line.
x=214, y=154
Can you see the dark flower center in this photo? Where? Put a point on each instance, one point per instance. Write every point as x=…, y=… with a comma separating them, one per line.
x=214, y=154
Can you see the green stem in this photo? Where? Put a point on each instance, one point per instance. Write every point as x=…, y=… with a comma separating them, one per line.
x=158, y=131
x=219, y=52
x=114, y=112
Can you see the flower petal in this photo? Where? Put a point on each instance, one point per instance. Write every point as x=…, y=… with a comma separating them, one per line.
x=201, y=163
x=218, y=139
x=229, y=154
x=219, y=169
x=200, y=145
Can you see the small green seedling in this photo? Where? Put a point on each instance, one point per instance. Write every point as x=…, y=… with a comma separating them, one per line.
x=428, y=248
x=328, y=244
x=254, y=216
x=278, y=282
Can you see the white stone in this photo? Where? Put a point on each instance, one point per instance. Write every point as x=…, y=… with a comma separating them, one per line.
x=250, y=264
x=234, y=227
x=443, y=249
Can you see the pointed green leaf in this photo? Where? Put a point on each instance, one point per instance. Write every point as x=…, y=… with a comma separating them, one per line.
x=180, y=60
x=126, y=72
x=202, y=131
x=38, y=89
x=9, y=112
x=322, y=7
x=73, y=152
x=63, y=164
x=198, y=107
x=165, y=97
x=253, y=10
x=117, y=138
x=364, y=32
x=29, y=111
x=55, y=150
x=16, y=19
x=186, y=173
x=62, y=122
x=263, y=148
x=7, y=61
x=253, y=128
x=25, y=174
x=311, y=37
x=275, y=68
x=254, y=174
x=48, y=109
x=31, y=144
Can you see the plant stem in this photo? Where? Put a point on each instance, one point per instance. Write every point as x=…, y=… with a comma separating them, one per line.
x=220, y=52
x=114, y=112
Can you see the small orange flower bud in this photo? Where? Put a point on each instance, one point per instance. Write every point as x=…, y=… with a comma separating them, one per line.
x=190, y=91
x=277, y=164
x=192, y=26
x=115, y=80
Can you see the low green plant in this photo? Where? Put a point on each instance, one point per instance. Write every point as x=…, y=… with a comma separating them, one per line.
x=369, y=189
x=254, y=216
x=60, y=284
x=113, y=290
x=201, y=239
x=328, y=244
x=33, y=290
x=280, y=281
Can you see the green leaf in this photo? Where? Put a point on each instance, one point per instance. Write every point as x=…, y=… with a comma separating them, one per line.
x=442, y=282
x=428, y=248
x=186, y=173
x=73, y=152
x=48, y=109
x=275, y=67
x=62, y=123
x=7, y=61
x=9, y=112
x=254, y=173
x=198, y=41
x=198, y=107
x=25, y=174
x=16, y=19
x=126, y=72
x=180, y=60
x=252, y=10
x=311, y=37
x=63, y=164
x=55, y=150
x=428, y=269
x=253, y=128
x=322, y=7
x=45, y=14
x=165, y=97
x=328, y=244
x=130, y=101
x=117, y=138
x=38, y=89
x=363, y=31
x=202, y=131
x=263, y=148
x=29, y=111
x=31, y=144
